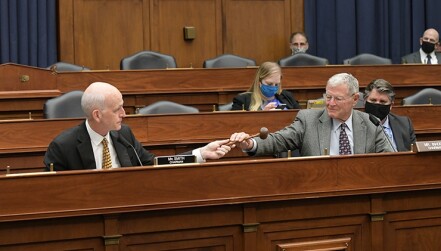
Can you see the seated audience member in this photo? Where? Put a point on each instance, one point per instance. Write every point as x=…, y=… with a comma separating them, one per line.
x=427, y=53
x=379, y=98
x=298, y=42
x=103, y=142
x=266, y=92
x=336, y=130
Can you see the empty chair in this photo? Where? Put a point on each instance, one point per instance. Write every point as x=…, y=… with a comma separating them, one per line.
x=228, y=60
x=162, y=107
x=225, y=107
x=63, y=66
x=302, y=59
x=147, y=60
x=425, y=96
x=67, y=105
x=367, y=59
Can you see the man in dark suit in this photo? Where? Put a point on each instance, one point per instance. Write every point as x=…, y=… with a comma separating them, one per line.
x=427, y=53
x=379, y=98
x=102, y=141
x=336, y=130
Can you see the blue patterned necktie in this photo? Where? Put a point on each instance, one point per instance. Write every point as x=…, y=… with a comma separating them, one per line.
x=344, y=148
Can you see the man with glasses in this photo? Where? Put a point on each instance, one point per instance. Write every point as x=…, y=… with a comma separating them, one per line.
x=336, y=130
x=298, y=42
x=427, y=53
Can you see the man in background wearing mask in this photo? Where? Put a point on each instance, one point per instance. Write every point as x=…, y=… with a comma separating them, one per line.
x=379, y=97
x=298, y=43
x=427, y=54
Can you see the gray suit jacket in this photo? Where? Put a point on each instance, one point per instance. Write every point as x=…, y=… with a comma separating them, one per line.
x=311, y=134
x=415, y=58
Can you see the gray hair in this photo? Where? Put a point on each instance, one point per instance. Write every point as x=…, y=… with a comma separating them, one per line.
x=94, y=97
x=381, y=86
x=347, y=79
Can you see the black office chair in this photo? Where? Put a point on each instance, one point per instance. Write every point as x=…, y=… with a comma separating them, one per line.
x=63, y=66
x=147, y=60
x=425, y=96
x=67, y=105
x=228, y=60
x=367, y=59
x=163, y=107
x=302, y=59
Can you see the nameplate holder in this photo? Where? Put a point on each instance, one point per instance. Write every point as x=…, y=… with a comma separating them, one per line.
x=429, y=146
x=175, y=160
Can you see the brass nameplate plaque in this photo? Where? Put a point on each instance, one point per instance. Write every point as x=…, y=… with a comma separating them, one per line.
x=175, y=160
x=429, y=146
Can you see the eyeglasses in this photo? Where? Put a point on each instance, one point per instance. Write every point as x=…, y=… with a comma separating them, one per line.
x=426, y=39
x=337, y=99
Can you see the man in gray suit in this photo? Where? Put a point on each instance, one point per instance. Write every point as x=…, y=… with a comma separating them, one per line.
x=379, y=98
x=427, y=53
x=338, y=129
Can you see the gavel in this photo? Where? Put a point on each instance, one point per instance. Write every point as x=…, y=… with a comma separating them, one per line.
x=263, y=134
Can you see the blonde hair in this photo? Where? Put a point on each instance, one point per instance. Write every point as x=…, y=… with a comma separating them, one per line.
x=266, y=69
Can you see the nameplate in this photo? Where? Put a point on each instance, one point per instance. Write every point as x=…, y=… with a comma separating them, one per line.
x=175, y=160
x=429, y=146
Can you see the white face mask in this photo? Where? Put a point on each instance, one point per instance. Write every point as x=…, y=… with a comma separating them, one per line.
x=298, y=50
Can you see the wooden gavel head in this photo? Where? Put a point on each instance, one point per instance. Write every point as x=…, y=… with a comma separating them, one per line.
x=263, y=134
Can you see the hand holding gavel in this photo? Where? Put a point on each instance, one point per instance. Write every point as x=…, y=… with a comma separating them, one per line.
x=263, y=134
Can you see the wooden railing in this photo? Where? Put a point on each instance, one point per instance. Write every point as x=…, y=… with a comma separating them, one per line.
x=24, y=89
x=24, y=142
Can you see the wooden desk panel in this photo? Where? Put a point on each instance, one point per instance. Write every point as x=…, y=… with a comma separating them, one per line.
x=202, y=88
x=228, y=205
x=24, y=142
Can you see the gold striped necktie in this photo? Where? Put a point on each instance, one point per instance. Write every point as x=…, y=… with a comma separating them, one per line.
x=107, y=161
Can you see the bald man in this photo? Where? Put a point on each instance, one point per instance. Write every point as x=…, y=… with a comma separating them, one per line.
x=427, y=53
x=102, y=141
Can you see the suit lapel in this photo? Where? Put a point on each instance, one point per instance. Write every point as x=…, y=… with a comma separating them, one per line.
x=395, y=126
x=121, y=150
x=324, y=128
x=85, y=148
x=358, y=133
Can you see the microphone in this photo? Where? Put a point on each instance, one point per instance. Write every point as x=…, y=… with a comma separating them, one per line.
x=376, y=122
x=127, y=144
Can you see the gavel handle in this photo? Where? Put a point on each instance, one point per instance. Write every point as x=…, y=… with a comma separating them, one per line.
x=247, y=138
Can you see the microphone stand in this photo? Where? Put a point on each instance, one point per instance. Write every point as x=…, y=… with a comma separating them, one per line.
x=376, y=121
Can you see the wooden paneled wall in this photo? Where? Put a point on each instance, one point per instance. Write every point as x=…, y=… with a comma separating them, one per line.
x=98, y=33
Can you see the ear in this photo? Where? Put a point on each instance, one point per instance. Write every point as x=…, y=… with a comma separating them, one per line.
x=356, y=98
x=96, y=115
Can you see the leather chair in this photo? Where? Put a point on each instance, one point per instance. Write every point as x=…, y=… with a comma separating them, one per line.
x=425, y=96
x=163, y=107
x=302, y=59
x=367, y=59
x=63, y=66
x=147, y=60
x=67, y=105
x=228, y=60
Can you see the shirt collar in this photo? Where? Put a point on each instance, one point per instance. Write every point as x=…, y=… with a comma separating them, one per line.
x=95, y=138
x=336, y=124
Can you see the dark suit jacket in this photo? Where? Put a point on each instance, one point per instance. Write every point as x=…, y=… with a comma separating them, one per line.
x=415, y=58
x=244, y=99
x=404, y=134
x=72, y=149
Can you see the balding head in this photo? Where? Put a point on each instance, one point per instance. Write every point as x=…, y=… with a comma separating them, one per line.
x=95, y=96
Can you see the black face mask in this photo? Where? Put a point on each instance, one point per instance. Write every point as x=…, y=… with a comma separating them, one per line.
x=427, y=47
x=378, y=110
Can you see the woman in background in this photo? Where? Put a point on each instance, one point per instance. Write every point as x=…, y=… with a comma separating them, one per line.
x=266, y=92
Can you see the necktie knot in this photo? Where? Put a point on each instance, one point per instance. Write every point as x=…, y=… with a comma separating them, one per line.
x=107, y=161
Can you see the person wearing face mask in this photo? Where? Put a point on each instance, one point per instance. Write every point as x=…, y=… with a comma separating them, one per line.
x=427, y=53
x=379, y=98
x=298, y=43
x=266, y=92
